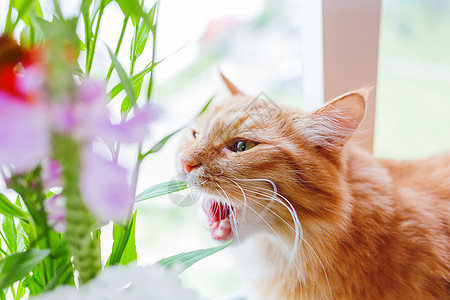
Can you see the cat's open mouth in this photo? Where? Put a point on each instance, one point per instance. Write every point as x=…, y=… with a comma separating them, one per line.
x=218, y=219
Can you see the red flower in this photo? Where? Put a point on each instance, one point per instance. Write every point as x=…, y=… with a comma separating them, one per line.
x=13, y=60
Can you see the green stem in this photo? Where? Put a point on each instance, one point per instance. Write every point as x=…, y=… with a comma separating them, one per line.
x=32, y=41
x=58, y=9
x=97, y=237
x=80, y=222
x=90, y=58
x=119, y=43
x=34, y=200
x=8, y=22
x=13, y=292
x=133, y=49
x=150, y=83
x=87, y=36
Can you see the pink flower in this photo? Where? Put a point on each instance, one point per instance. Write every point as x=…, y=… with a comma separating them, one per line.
x=24, y=136
x=131, y=131
x=51, y=173
x=104, y=184
x=56, y=213
x=87, y=118
x=29, y=119
x=105, y=188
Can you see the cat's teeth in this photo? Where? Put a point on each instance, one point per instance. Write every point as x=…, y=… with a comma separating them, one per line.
x=213, y=225
x=225, y=225
x=219, y=233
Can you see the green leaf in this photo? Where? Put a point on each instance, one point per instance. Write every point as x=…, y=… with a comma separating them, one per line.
x=33, y=284
x=10, y=233
x=21, y=239
x=159, y=145
x=185, y=260
x=42, y=25
x=126, y=103
x=81, y=45
x=23, y=228
x=141, y=37
x=85, y=6
x=126, y=106
x=161, y=189
x=135, y=79
x=130, y=254
x=59, y=31
x=24, y=8
x=16, y=266
x=206, y=106
x=87, y=23
x=124, y=245
x=9, y=209
x=25, y=36
x=151, y=14
x=95, y=9
x=62, y=270
x=20, y=291
x=126, y=82
x=143, y=33
x=133, y=9
x=57, y=10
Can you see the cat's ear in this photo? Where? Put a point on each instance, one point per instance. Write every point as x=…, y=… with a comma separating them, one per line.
x=332, y=125
x=233, y=89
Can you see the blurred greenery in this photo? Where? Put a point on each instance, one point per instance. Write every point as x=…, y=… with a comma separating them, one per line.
x=413, y=91
x=416, y=29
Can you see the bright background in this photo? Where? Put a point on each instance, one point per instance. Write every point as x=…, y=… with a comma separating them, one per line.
x=257, y=43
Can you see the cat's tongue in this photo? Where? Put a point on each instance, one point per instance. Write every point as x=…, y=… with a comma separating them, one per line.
x=218, y=220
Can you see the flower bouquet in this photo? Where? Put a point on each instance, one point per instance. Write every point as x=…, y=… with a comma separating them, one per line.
x=59, y=189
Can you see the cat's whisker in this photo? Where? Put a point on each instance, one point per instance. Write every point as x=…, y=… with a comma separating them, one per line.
x=298, y=231
x=265, y=221
x=243, y=195
x=303, y=239
x=291, y=211
x=314, y=252
x=218, y=174
x=232, y=212
x=327, y=209
x=271, y=199
x=259, y=215
x=269, y=209
x=289, y=207
x=318, y=258
x=278, y=216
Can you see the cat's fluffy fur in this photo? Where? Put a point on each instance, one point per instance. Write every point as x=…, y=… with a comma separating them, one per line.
x=370, y=228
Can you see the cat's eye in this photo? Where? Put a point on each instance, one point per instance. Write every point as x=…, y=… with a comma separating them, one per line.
x=194, y=134
x=242, y=145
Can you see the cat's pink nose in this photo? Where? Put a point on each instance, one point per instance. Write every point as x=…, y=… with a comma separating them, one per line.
x=187, y=166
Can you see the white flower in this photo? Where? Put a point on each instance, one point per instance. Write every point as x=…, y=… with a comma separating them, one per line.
x=127, y=282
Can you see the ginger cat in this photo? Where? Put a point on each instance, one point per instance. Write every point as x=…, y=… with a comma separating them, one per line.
x=313, y=216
